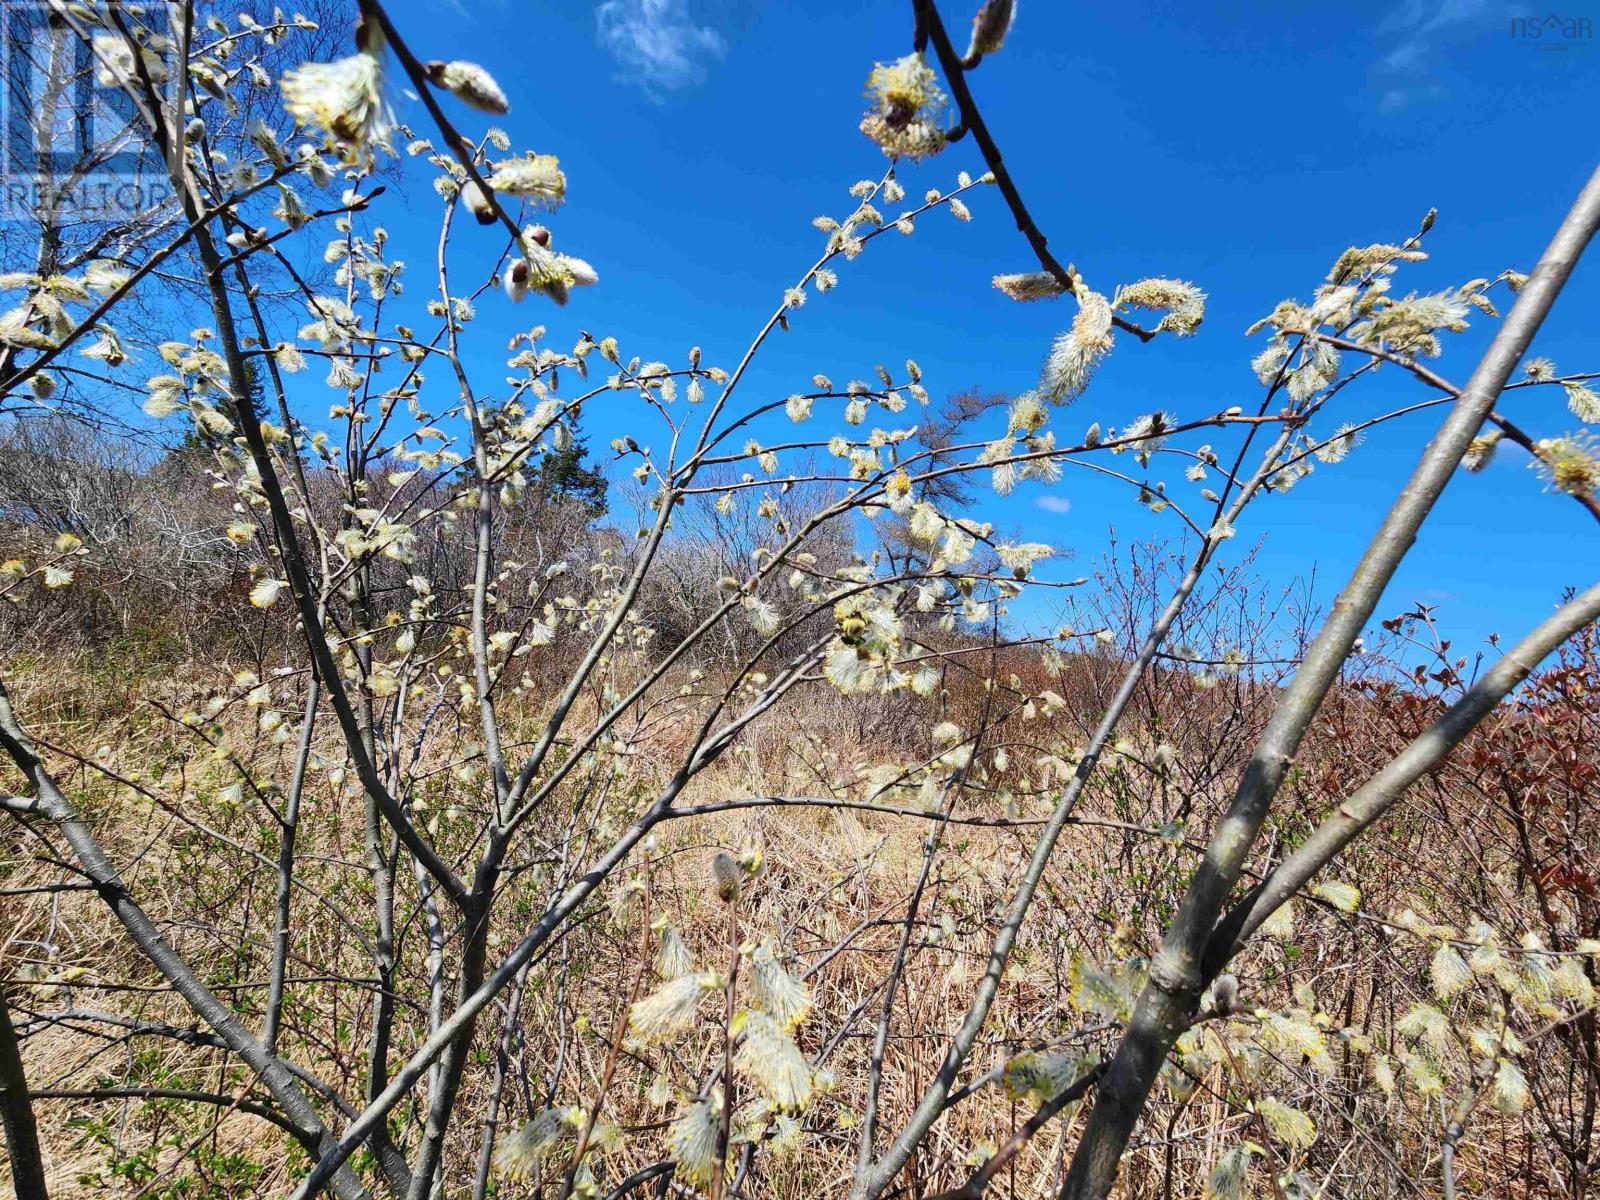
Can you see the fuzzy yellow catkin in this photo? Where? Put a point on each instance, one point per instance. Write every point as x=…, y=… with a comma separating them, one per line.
x=344, y=98
x=990, y=26
x=1029, y=285
x=1077, y=352
x=1569, y=464
x=692, y=1141
x=1225, y=994
x=517, y=280
x=1480, y=452
x=1584, y=403
x=904, y=121
x=477, y=202
x=469, y=83
x=725, y=877
x=534, y=177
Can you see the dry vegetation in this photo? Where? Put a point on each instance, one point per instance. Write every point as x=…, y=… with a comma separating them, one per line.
x=379, y=815
x=1501, y=835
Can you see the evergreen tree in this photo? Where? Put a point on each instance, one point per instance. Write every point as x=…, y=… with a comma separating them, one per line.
x=565, y=474
x=197, y=440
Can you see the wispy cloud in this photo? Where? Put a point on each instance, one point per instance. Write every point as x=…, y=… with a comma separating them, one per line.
x=657, y=43
x=1415, y=22
x=1394, y=99
x=1410, y=37
x=1059, y=505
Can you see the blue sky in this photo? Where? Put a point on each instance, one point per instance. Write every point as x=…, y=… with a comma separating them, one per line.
x=1241, y=147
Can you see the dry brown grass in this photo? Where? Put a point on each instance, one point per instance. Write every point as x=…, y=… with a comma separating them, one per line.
x=832, y=895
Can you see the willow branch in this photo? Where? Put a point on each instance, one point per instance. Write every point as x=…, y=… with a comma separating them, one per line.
x=929, y=23
x=1380, y=793
x=1176, y=976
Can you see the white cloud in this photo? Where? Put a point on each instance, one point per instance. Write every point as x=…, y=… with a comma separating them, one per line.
x=657, y=43
x=1395, y=99
x=1410, y=35
x=1417, y=18
x=1059, y=505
